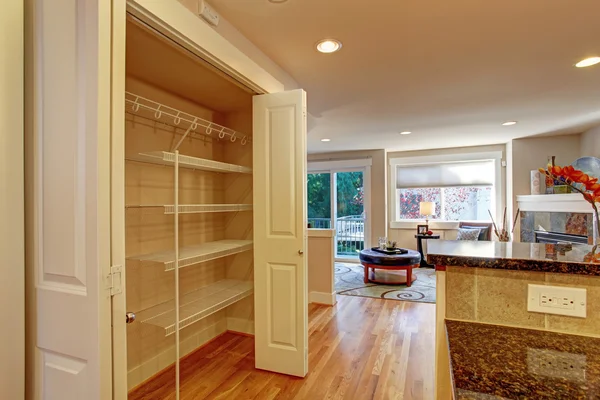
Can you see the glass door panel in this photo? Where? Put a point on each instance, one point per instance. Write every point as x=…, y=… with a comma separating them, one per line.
x=319, y=200
x=349, y=213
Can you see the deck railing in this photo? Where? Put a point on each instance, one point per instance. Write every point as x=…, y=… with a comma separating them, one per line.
x=350, y=233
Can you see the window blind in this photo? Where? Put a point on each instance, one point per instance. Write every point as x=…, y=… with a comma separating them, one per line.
x=451, y=174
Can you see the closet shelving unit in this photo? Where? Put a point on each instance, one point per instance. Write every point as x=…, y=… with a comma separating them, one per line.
x=186, y=309
x=197, y=305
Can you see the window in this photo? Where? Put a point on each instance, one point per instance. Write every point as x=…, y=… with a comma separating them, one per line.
x=461, y=203
x=463, y=187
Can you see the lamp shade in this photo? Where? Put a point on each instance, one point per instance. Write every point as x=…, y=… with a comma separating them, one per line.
x=427, y=208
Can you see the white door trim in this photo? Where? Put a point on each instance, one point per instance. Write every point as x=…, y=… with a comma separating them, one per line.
x=12, y=229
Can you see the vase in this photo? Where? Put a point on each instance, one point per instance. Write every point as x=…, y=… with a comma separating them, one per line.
x=535, y=182
x=596, y=229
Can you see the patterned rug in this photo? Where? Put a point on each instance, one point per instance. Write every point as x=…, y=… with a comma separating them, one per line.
x=349, y=282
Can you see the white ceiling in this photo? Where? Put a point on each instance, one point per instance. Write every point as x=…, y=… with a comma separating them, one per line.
x=449, y=71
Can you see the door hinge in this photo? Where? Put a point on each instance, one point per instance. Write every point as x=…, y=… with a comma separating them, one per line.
x=115, y=281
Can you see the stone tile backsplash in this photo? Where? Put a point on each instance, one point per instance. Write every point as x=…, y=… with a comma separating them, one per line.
x=559, y=222
x=500, y=297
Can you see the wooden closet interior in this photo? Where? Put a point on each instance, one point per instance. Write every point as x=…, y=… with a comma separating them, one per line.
x=188, y=196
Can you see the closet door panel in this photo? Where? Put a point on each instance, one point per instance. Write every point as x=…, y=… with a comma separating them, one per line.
x=280, y=274
x=70, y=157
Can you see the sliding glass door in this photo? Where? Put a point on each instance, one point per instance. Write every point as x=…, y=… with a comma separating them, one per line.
x=338, y=198
x=349, y=211
x=319, y=200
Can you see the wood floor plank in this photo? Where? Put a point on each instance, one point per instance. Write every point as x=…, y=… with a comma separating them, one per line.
x=361, y=348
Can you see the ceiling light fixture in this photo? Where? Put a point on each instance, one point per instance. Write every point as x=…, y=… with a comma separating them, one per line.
x=509, y=123
x=325, y=140
x=405, y=133
x=329, y=46
x=588, y=62
x=277, y=1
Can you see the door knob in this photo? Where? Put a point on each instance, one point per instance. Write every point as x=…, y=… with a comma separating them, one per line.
x=129, y=317
x=300, y=252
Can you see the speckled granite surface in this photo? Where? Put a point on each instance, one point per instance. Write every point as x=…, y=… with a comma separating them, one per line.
x=497, y=362
x=513, y=256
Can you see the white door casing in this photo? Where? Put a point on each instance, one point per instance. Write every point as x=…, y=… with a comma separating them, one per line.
x=117, y=198
x=280, y=271
x=71, y=198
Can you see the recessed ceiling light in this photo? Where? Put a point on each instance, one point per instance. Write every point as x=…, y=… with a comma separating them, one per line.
x=588, y=62
x=509, y=123
x=405, y=133
x=329, y=45
x=277, y=1
x=325, y=140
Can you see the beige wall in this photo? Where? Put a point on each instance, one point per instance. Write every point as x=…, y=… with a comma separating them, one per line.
x=12, y=252
x=378, y=210
x=321, y=252
x=532, y=153
x=590, y=143
x=405, y=237
x=235, y=37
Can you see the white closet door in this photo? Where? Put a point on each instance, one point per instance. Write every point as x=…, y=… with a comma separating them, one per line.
x=70, y=157
x=280, y=273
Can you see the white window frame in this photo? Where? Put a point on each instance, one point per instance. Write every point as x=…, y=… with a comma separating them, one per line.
x=393, y=163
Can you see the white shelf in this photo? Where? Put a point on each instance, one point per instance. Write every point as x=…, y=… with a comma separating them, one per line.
x=167, y=158
x=197, y=208
x=197, y=254
x=197, y=305
x=572, y=202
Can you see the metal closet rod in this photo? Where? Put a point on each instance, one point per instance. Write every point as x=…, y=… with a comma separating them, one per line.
x=160, y=110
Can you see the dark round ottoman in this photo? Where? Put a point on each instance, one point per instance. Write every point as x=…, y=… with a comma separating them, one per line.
x=394, y=263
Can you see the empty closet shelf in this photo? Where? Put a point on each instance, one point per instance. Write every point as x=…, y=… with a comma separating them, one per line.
x=194, y=208
x=198, y=253
x=167, y=158
x=197, y=305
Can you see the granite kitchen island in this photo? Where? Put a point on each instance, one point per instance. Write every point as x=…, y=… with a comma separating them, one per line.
x=489, y=346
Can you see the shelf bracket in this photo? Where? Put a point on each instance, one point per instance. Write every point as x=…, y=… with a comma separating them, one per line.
x=115, y=281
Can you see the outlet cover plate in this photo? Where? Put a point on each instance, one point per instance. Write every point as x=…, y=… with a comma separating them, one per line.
x=559, y=300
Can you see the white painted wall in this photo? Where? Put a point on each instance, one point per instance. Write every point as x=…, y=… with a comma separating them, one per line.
x=590, y=143
x=12, y=264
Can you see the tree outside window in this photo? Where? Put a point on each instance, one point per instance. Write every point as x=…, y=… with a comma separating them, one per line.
x=463, y=203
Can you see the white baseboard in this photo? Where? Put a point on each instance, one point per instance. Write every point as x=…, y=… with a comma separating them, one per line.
x=154, y=365
x=240, y=325
x=322, y=298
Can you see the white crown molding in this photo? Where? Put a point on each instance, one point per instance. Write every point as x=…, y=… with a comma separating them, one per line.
x=573, y=202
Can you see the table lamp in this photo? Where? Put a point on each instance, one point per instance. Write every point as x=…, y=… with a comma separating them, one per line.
x=427, y=208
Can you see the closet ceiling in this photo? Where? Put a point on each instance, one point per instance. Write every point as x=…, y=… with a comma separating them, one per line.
x=173, y=69
x=449, y=71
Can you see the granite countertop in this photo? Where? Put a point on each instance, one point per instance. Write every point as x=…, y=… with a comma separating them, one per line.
x=496, y=362
x=513, y=256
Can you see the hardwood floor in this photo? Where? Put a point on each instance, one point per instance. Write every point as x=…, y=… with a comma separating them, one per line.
x=362, y=348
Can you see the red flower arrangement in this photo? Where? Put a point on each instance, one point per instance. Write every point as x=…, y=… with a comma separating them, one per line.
x=588, y=187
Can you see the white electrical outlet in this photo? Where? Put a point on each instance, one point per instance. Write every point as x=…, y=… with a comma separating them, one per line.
x=556, y=364
x=208, y=13
x=557, y=300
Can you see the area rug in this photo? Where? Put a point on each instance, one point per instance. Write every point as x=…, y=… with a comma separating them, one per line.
x=349, y=282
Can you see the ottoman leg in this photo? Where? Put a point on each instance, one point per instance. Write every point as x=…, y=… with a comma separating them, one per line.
x=366, y=273
x=408, y=276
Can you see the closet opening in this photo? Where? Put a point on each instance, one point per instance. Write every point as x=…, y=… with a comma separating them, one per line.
x=188, y=213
